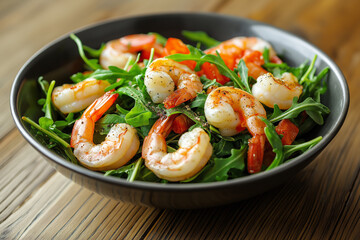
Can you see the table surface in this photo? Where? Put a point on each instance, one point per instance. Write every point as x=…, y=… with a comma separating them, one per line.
x=321, y=201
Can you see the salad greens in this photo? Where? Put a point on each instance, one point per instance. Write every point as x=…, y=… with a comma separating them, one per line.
x=135, y=107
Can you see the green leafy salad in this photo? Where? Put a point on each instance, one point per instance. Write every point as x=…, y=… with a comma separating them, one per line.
x=266, y=130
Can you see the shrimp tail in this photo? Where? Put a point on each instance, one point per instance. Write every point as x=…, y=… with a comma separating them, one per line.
x=93, y=113
x=163, y=125
x=256, y=153
x=100, y=106
x=157, y=135
x=178, y=97
x=181, y=124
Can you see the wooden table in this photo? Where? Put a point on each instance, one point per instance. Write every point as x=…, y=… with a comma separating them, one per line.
x=320, y=202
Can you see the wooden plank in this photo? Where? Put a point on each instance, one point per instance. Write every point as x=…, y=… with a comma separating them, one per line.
x=33, y=209
x=348, y=226
x=62, y=209
x=22, y=171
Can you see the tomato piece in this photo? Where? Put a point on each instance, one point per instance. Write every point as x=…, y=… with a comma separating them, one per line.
x=211, y=72
x=254, y=60
x=255, y=57
x=288, y=130
x=173, y=46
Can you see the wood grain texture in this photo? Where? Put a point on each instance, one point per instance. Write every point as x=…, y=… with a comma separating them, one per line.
x=320, y=202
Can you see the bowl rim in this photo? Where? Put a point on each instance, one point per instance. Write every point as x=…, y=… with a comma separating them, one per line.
x=189, y=186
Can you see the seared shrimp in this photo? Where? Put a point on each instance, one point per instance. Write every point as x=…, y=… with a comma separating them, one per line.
x=163, y=75
x=249, y=49
x=232, y=110
x=76, y=97
x=270, y=90
x=118, y=52
x=194, y=152
x=233, y=49
x=119, y=146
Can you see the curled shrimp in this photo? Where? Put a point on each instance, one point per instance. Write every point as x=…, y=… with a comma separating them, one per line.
x=163, y=75
x=250, y=49
x=270, y=90
x=194, y=152
x=233, y=49
x=118, y=52
x=119, y=146
x=232, y=110
x=76, y=97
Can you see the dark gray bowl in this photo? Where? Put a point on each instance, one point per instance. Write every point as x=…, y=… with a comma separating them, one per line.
x=60, y=59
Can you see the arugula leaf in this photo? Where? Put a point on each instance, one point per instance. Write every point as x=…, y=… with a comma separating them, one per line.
x=221, y=166
x=275, y=142
x=201, y=37
x=315, y=86
x=43, y=84
x=122, y=172
x=47, y=89
x=150, y=58
x=63, y=144
x=130, y=171
x=47, y=105
x=159, y=38
x=94, y=52
x=104, y=124
x=199, y=120
x=113, y=74
x=136, y=95
x=200, y=57
x=79, y=77
x=147, y=175
x=193, y=178
x=305, y=77
x=223, y=148
x=243, y=71
x=199, y=101
x=92, y=63
x=138, y=116
x=302, y=147
x=208, y=83
x=266, y=55
x=313, y=109
x=115, y=85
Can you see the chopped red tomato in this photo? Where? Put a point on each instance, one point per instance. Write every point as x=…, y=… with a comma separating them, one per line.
x=288, y=130
x=173, y=46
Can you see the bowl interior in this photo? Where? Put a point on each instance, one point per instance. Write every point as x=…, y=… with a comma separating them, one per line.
x=60, y=59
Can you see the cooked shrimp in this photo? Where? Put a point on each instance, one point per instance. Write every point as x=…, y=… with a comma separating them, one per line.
x=119, y=146
x=233, y=49
x=76, y=97
x=270, y=90
x=249, y=49
x=232, y=110
x=163, y=75
x=118, y=52
x=194, y=152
